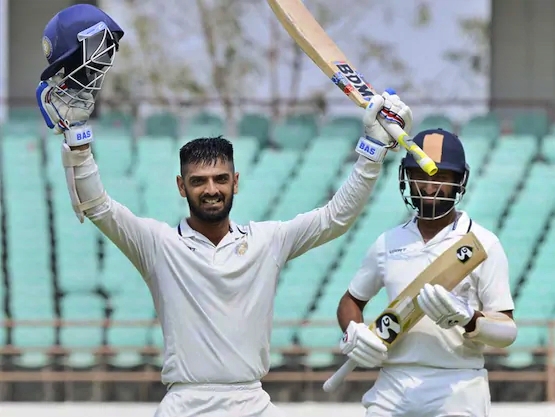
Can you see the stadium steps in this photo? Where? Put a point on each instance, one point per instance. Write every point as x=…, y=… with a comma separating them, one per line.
x=501, y=176
x=259, y=189
x=534, y=299
x=318, y=167
x=525, y=222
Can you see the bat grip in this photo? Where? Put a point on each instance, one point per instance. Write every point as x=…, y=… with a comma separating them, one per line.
x=337, y=378
x=423, y=160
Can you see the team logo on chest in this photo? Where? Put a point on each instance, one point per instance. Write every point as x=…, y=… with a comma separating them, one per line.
x=241, y=248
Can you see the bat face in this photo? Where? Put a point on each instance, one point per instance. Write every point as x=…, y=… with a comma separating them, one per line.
x=447, y=270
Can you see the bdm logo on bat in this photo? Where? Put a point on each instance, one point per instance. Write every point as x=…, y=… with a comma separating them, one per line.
x=354, y=79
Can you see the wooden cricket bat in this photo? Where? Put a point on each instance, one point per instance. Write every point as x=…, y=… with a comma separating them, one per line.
x=314, y=41
x=448, y=270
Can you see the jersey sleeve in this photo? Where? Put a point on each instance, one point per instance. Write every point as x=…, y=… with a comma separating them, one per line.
x=368, y=279
x=135, y=237
x=316, y=227
x=493, y=284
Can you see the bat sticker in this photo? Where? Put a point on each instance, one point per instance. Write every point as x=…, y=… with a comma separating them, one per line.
x=464, y=253
x=388, y=327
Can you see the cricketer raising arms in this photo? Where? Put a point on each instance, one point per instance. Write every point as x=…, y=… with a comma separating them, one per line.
x=212, y=281
x=437, y=368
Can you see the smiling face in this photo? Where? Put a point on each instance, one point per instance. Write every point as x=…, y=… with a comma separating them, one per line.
x=208, y=179
x=209, y=189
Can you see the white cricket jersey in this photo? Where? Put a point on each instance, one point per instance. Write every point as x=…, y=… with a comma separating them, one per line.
x=215, y=303
x=396, y=258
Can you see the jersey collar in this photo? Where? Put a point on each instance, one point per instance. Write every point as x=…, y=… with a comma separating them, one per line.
x=461, y=226
x=184, y=230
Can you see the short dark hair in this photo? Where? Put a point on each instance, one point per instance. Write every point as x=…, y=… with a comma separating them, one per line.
x=207, y=150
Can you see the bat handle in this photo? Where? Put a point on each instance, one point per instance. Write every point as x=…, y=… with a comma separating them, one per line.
x=423, y=160
x=337, y=378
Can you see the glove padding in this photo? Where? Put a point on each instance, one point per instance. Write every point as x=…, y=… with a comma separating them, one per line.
x=444, y=308
x=382, y=110
x=360, y=344
x=68, y=116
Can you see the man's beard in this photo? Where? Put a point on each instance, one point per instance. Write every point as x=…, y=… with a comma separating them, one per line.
x=210, y=216
x=433, y=209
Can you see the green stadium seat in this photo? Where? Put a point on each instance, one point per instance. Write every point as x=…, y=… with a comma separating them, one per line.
x=435, y=121
x=255, y=125
x=526, y=219
x=534, y=122
x=344, y=127
x=23, y=121
x=548, y=147
x=487, y=126
x=476, y=149
x=83, y=339
x=113, y=153
x=128, y=306
x=26, y=210
x=256, y=191
x=162, y=125
x=294, y=133
x=318, y=168
x=32, y=300
x=489, y=193
x=113, y=121
x=118, y=274
x=205, y=125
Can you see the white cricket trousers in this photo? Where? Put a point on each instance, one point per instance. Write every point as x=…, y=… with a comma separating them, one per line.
x=217, y=400
x=428, y=392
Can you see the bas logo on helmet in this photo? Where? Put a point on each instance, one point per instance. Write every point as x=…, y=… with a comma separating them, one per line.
x=464, y=253
x=388, y=327
x=46, y=47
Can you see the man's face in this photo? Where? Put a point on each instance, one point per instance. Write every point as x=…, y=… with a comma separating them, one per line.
x=433, y=196
x=209, y=189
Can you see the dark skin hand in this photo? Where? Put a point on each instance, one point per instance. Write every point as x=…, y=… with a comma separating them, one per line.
x=351, y=308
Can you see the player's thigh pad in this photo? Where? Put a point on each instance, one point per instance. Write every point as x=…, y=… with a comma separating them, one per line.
x=425, y=392
x=206, y=401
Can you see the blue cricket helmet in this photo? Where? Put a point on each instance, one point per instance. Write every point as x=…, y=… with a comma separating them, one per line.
x=61, y=35
x=447, y=151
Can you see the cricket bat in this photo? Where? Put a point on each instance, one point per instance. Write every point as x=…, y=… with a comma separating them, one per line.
x=314, y=41
x=448, y=270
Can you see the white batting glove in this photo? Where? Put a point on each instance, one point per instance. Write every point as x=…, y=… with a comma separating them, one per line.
x=65, y=115
x=444, y=308
x=392, y=110
x=382, y=110
x=360, y=344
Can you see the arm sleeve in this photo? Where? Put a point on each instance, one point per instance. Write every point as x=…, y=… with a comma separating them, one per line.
x=316, y=227
x=493, y=284
x=136, y=237
x=368, y=280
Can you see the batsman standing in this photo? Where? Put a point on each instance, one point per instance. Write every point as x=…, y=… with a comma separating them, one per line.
x=437, y=369
x=212, y=281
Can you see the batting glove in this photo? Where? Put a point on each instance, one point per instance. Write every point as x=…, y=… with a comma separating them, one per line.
x=360, y=344
x=444, y=308
x=66, y=114
x=381, y=111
